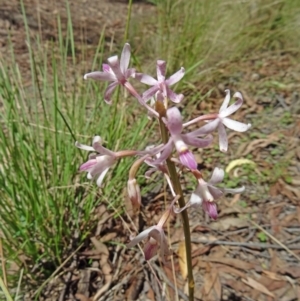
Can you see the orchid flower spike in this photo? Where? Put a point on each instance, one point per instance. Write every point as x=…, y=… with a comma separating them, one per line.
x=181, y=141
x=222, y=120
x=206, y=193
x=161, y=84
x=115, y=71
x=156, y=237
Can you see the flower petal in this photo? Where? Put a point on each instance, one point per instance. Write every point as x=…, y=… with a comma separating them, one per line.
x=195, y=200
x=236, y=125
x=88, y=165
x=177, y=98
x=234, y=107
x=161, y=70
x=108, y=92
x=150, y=248
x=197, y=142
x=223, y=140
x=106, y=68
x=217, y=176
x=158, y=234
x=226, y=101
x=115, y=66
x=238, y=95
x=149, y=172
x=211, y=209
x=84, y=147
x=145, y=79
x=203, y=191
x=165, y=153
x=174, y=121
x=234, y=190
x=140, y=237
x=176, y=77
x=149, y=93
x=101, y=149
x=187, y=159
x=98, y=75
x=103, y=162
x=215, y=192
x=129, y=73
x=206, y=129
x=101, y=177
x=125, y=58
x=97, y=140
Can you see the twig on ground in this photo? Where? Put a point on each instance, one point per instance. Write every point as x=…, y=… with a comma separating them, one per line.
x=288, y=249
x=244, y=244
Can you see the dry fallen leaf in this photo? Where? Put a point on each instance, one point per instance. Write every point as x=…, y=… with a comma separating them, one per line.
x=82, y=297
x=238, y=162
x=258, y=286
x=212, y=288
x=84, y=282
x=209, y=280
x=104, y=265
x=226, y=223
x=236, y=263
x=293, y=271
x=272, y=275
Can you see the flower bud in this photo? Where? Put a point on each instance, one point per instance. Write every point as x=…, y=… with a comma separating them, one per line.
x=134, y=193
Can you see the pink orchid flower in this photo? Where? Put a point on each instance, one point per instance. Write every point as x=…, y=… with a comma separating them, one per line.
x=206, y=193
x=161, y=84
x=156, y=237
x=98, y=164
x=115, y=71
x=222, y=120
x=181, y=141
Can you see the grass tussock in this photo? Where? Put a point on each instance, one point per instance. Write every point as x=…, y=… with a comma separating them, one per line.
x=46, y=206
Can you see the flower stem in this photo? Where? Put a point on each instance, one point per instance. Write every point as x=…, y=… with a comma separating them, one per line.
x=178, y=190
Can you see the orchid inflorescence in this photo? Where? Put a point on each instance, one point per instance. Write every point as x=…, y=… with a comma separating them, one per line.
x=174, y=150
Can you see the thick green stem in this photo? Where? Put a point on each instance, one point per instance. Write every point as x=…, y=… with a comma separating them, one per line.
x=178, y=190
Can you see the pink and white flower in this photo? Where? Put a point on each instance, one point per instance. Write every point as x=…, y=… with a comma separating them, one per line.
x=156, y=237
x=161, y=84
x=181, y=141
x=98, y=164
x=221, y=120
x=115, y=71
x=206, y=193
